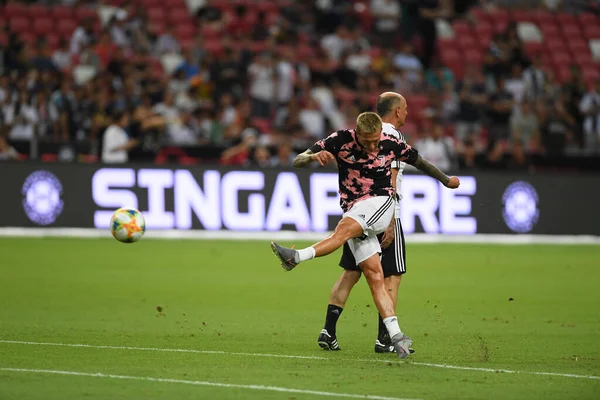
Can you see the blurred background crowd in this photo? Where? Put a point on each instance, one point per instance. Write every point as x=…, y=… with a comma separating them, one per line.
x=489, y=84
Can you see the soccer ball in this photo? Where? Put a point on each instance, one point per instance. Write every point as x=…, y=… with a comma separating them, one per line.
x=127, y=225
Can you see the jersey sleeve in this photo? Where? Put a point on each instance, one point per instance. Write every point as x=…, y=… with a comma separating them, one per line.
x=331, y=143
x=405, y=153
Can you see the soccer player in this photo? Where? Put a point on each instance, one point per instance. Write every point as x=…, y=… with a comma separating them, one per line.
x=393, y=254
x=364, y=156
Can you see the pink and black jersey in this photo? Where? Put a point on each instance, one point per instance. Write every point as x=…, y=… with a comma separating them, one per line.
x=363, y=175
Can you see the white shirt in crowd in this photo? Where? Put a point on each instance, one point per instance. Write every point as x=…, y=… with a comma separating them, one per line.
x=389, y=8
x=438, y=152
x=313, y=122
x=285, y=86
x=79, y=40
x=114, y=136
x=591, y=124
x=262, y=82
x=23, y=123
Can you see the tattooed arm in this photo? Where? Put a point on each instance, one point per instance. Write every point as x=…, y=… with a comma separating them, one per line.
x=306, y=158
x=425, y=166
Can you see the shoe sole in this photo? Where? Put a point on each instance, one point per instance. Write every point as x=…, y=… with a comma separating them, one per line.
x=283, y=263
x=326, y=346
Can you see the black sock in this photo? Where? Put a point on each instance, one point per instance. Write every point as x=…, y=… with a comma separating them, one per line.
x=382, y=335
x=333, y=313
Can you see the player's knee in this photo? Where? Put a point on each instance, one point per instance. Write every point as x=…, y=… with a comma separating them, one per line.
x=352, y=277
x=373, y=275
x=347, y=229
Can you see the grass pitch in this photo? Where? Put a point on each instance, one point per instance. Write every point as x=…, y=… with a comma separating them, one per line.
x=521, y=308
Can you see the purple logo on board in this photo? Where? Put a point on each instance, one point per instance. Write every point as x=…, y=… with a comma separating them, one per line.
x=520, y=207
x=41, y=197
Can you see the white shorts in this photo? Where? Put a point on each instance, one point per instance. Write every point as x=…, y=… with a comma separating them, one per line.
x=374, y=215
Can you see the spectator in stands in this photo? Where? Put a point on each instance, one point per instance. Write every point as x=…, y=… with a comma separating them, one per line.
x=168, y=111
x=556, y=130
x=61, y=56
x=387, y=19
x=573, y=90
x=438, y=76
x=116, y=143
x=211, y=15
x=228, y=111
x=286, y=77
x=499, y=112
x=118, y=30
x=82, y=35
x=590, y=109
x=21, y=117
x=262, y=85
x=535, y=79
x=496, y=60
x=428, y=12
x=514, y=47
x=407, y=61
x=312, y=119
x=261, y=157
x=239, y=153
x=437, y=148
x=7, y=152
x=284, y=157
x=227, y=75
x=515, y=84
x=47, y=112
x=472, y=96
x=524, y=128
x=105, y=48
x=167, y=43
x=41, y=59
x=334, y=44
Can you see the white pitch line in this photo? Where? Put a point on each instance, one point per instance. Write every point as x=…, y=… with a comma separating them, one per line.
x=167, y=350
x=203, y=383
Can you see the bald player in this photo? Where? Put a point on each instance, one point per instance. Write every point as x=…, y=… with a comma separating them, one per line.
x=392, y=109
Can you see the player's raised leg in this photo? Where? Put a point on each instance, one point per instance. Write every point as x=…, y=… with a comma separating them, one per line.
x=362, y=217
x=337, y=301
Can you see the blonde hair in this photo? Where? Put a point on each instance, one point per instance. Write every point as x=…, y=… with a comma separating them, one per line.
x=368, y=122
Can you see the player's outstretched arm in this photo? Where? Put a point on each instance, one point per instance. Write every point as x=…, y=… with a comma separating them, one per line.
x=308, y=157
x=425, y=166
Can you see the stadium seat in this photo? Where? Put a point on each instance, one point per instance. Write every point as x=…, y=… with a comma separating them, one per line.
x=590, y=73
x=14, y=10
x=461, y=29
x=543, y=17
x=151, y=3
x=38, y=11
x=156, y=14
x=63, y=12
x=564, y=18
x=466, y=42
x=179, y=16
x=82, y=13
x=523, y=16
x=591, y=31
x=43, y=26
x=66, y=27
x=571, y=31
x=588, y=19
x=20, y=24
x=473, y=57
x=561, y=57
x=185, y=31
x=52, y=41
x=562, y=73
x=556, y=43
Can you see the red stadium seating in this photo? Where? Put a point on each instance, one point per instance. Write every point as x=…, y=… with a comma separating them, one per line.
x=66, y=27
x=63, y=12
x=179, y=16
x=43, y=26
x=591, y=31
x=39, y=11
x=20, y=24
x=13, y=10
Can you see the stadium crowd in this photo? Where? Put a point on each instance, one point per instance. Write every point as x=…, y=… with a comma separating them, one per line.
x=252, y=82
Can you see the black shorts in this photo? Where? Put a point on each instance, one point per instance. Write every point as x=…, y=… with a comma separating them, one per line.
x=393, y=258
